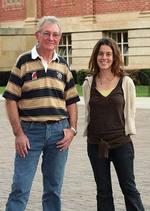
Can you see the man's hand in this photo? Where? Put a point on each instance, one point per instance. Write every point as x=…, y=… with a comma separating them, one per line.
x=22, y=144
x=66, y=141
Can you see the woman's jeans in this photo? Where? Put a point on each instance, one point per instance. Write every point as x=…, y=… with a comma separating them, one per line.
x=43, y=138
x=122, y=158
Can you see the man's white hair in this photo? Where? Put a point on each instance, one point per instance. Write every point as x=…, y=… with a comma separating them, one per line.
x=48, y=19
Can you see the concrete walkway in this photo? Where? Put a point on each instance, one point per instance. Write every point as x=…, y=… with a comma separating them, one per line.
x=79, y=190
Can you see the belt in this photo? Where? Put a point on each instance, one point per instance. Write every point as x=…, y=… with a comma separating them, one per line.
x=50, y=122
x=42, y=122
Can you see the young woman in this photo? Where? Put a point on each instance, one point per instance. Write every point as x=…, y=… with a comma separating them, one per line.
x=109, y=96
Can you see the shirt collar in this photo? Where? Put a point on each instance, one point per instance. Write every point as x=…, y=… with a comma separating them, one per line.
x=35, y=55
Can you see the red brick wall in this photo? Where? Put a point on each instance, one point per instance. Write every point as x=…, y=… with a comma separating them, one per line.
x=87, y=7
x=12, y=12
x=62, y=8
x=107, y=6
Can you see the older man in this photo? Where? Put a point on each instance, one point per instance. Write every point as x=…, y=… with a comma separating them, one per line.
x=41, y=104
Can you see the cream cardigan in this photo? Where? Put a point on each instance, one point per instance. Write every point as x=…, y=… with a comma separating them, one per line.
x=129, y=108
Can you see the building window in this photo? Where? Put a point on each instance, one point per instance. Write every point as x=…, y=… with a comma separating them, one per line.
x=121, y=37
x=12, y=1
x=12, y=4
x=65, y=48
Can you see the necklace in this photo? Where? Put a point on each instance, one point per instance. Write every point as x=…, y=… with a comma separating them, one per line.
x=107, y=80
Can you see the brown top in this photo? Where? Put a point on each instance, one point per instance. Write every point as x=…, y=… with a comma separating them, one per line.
x=107, y=125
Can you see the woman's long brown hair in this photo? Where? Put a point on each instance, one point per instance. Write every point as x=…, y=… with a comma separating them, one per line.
x=117, y=64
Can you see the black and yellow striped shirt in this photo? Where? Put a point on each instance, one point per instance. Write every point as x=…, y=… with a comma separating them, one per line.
x=40, y=95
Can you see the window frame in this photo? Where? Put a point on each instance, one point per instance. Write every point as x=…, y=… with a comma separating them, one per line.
x=65, y=47
x=122, y=43
x=13, y=3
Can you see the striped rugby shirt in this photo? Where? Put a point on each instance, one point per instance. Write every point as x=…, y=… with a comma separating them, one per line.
x=41, y=95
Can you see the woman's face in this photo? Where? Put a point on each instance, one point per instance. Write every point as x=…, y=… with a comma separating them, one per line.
x=105, y=57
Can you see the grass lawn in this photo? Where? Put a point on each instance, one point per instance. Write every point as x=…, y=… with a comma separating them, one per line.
x=79, y=89
x=2, y=88
x=141, y=91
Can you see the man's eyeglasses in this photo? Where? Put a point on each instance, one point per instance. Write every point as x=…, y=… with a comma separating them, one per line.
x=48, y=35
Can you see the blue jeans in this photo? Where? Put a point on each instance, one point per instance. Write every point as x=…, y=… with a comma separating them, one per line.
x=122, y=158
x=42, y=138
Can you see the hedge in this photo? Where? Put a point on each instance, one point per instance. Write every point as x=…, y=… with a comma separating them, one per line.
x=79, y=76
x=4, y=76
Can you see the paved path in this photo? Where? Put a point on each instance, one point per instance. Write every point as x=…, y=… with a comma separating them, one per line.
x=78, y=192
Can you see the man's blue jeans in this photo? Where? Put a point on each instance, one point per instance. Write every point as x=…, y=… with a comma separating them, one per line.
x=43, y=138
x=122, y=158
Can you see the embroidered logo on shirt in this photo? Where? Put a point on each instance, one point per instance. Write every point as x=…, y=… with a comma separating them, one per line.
x=59, y=75
x=34, y=76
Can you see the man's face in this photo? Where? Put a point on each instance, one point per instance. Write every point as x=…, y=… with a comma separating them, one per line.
x=48, y=37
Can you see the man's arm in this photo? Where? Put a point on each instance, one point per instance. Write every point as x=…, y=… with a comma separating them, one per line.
x=22, y=142
x=73, y=115
x=13, y=115
x=69, y=132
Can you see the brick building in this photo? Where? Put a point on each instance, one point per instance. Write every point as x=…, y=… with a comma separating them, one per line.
x=83, y=23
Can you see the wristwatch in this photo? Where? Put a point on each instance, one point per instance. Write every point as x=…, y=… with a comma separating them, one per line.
x=74, y=130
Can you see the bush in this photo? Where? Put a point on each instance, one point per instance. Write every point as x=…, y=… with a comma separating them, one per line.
x=144, y=77
x=134, y=76
x=81, y=75
x=74, y=74
x=4, y=76
x=141, y=77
